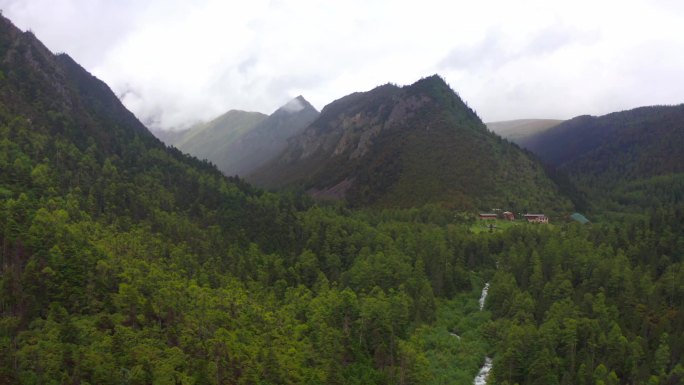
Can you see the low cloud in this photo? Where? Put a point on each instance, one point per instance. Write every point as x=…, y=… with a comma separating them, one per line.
x=294, y=105
x=174, y=63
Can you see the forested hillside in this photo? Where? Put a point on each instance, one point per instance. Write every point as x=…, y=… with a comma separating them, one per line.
x=626, y=161
x=123, y=261
x=645, y=141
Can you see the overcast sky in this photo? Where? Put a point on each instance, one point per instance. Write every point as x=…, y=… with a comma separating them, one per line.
x=176, y=62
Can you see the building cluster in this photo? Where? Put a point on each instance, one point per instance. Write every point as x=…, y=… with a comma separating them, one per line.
x=509, y=216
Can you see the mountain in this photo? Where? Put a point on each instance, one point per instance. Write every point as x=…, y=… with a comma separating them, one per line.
x=211, y=140
x=518, y=131
x=635, y=156
x=267, y=139
x=65, y=133
x=408, y=146
x=638, y=143
x=62, y=95
x=641, y=141
x=238, y=142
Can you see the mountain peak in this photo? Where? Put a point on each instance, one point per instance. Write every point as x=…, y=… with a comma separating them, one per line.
x=296, y=105
x=431, y=84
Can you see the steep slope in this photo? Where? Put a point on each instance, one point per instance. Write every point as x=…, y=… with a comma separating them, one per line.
x=518, y=131
x=408, y=146
x=65, y=132
x=62, y=94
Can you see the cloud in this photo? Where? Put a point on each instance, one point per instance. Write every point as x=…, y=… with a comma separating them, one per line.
x=175, y=62
x=498, y=47
x=294, y=105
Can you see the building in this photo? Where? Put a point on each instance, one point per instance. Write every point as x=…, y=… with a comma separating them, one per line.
x=508, y=216
x=536, y=218
x=577, y=217
x=487, y=216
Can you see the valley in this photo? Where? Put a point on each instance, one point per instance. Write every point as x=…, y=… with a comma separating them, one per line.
x=346, y=246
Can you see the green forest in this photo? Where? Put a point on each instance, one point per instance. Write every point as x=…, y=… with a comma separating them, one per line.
x=124, y=261
x=141, y=269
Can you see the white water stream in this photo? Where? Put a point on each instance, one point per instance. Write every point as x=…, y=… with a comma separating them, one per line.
x=481, y=378
x=483, y=296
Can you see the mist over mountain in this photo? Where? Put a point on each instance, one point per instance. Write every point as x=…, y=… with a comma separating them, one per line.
x=518, y=131
x=406, y=146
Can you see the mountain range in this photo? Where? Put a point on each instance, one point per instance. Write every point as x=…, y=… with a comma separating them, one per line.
x=238, y=142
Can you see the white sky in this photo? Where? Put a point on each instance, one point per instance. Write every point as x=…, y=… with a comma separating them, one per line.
x=176, y=62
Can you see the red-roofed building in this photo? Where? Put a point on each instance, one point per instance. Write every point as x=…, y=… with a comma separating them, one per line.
x=508, y=216
x=536, y=218
x=487, y=216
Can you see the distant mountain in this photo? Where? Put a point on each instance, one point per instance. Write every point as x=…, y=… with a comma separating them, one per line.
x=211, y=140
x=238, y=142
x=520, y=130
x=408, y=146
x=267, y=139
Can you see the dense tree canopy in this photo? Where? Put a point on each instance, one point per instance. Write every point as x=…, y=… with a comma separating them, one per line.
x=126, y=262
